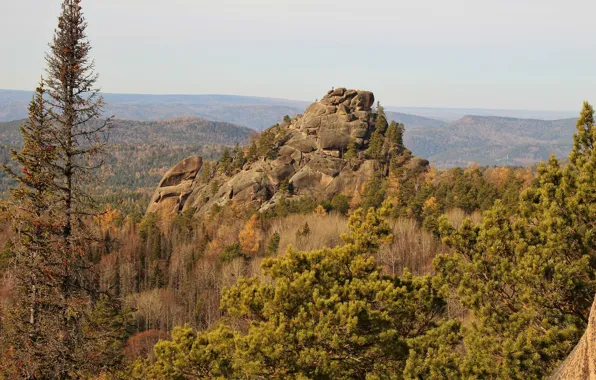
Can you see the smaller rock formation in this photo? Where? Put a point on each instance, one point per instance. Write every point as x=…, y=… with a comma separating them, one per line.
x=581, y=364
x=176, y=185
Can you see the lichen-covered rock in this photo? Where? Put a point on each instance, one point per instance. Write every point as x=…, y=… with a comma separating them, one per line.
x=308, y=158
x=581, y=364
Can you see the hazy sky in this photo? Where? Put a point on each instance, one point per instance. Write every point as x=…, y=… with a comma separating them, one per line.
x=525, y=54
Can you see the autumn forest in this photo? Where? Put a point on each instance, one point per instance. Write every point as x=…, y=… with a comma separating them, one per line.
x=319, y=248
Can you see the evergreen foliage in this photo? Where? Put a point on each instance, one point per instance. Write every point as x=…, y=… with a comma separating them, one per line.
x=530, y=280
x=273, y=246
x=56, y=327
x=238, y=157
x=325, y=314
x=267, y=145
x=375, y=192
x=352, y=151
x=225, y=162
x=253, y=152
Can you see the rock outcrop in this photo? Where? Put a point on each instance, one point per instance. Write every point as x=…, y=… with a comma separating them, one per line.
x=307, y=155
x=581, y=364
x=177, y=185
x=341, y=116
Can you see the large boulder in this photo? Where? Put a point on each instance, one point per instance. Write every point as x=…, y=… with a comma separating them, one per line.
x=340, y=117
x=581, y=364
x=176, y=186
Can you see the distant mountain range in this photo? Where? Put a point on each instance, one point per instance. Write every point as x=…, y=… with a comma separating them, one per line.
x=253, y=112
x=447, y=137
x=415, y=121
x=454, y=114
x=491, y=140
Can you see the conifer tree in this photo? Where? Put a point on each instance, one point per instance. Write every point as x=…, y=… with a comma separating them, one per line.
x=352, y=151
x=267, y=146
x=582, y=177
x=206, y=172
x=253, y=152
x=585, y=139
x=324, y=314
x=381, y=121
x=375, y=147
x=64, y=145
x=239, y=159
x=76, y=106
x=390, y=146
x=31, y=325
x=391, y=133
x=80, y=137
x=529, y=280
x=225, y=161
x=401, y=129
x=273, y=245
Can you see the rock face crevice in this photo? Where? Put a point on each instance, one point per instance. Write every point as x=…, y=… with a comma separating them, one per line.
x=308, y=156
x=581, y=364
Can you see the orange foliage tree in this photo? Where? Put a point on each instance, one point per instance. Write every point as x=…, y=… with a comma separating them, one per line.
x=250, y=237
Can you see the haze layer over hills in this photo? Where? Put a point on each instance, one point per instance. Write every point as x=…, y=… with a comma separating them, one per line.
x=447, y=137
x=253, y=112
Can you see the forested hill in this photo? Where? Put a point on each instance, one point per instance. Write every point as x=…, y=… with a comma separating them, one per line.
x=491, y=140
x=182, y=130
x=175, y=131
x=416, y=121
x=488, y=140
x=142, y=151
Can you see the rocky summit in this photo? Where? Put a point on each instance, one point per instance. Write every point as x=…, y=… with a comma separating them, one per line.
x=319, y=154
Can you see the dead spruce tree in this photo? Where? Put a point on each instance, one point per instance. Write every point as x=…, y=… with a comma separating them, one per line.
x=62, y=327
x=76, y=108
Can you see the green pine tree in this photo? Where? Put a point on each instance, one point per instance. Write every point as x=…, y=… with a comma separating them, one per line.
x=381, y=120
x=253, y=152
x=324, y=314
x=375, y=146
x=529, y=281
x=401, y=130
x=352, y=151
x=225, y=162
x=239, y=159
x=267, y=146
x=273, y=245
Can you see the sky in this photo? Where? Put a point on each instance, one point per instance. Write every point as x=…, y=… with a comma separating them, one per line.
x=509, y=54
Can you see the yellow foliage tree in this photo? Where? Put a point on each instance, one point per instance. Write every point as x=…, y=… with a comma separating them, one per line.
x=432, y=176
x=108, y=220
x=497, y=176
x=430, y=205
x=250, y=237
